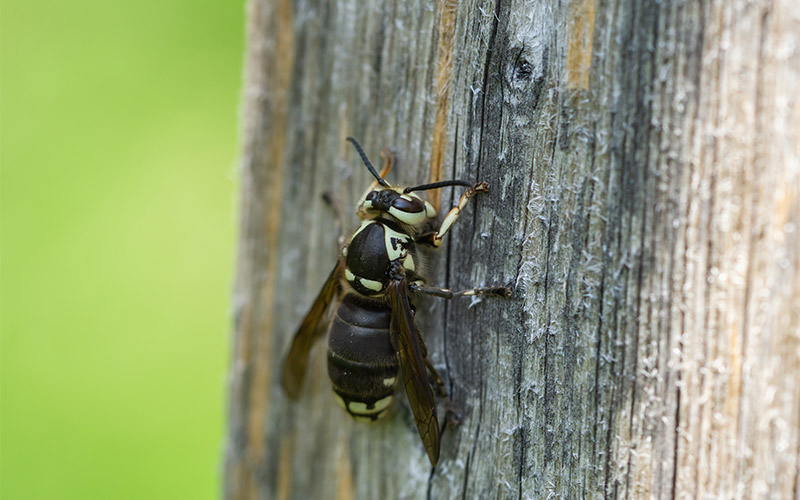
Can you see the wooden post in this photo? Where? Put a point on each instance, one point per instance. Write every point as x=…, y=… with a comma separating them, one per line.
x=644, y=158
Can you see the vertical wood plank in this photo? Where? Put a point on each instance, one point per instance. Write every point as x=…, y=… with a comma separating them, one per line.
x=644, y=159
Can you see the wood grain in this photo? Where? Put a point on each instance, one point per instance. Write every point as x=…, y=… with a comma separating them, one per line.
x=644, y=159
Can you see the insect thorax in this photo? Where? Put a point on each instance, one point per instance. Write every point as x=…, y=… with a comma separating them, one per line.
x=372, y=249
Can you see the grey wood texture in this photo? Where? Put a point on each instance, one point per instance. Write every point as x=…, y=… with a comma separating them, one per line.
x=644, y=158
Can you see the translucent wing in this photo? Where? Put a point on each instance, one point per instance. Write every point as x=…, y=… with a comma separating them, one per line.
x=411, y=351
x=312, y=328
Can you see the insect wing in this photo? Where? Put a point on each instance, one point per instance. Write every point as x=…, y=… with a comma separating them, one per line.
x=312, y=328
x=408, y=344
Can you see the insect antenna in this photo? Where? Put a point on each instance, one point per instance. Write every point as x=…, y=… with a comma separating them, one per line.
x=366, y=161
x=435, y=185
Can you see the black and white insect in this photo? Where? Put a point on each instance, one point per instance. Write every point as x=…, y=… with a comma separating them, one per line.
x=372, y=335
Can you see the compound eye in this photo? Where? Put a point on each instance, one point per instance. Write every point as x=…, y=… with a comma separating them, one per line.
x=370, y=200
x=411, y=206
x=409, y=209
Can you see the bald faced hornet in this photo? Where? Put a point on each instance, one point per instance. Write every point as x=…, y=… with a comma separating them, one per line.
x=372, y=335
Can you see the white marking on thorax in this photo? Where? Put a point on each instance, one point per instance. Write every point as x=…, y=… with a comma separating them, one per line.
x=393, y=240
x=363, y=226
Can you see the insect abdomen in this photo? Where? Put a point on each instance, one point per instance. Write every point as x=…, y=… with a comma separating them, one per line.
x=362, y=363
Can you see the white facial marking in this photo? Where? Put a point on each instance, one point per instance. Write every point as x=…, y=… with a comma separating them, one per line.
x=430, y=212
x=389, y=382
x=410, y=218
x=408, y=263
x=372, y=285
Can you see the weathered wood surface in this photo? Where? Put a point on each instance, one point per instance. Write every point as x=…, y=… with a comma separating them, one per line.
x=645, y=164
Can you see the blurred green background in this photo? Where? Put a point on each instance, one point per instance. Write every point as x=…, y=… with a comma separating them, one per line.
x=118, y=152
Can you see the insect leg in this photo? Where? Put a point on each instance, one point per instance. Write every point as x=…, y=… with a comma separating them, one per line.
x=500, y=291
x=454, y=212
x=336, y=208
x=388, y=161
x=451, y=417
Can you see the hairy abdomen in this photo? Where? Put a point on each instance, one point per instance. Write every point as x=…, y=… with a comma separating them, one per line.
x=362, y=363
